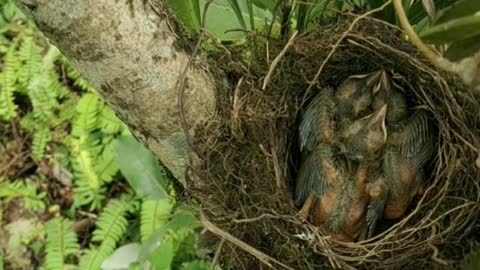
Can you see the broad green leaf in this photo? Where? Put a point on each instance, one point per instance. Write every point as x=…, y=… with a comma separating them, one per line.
x=221, y=18
x=464, y=48
x=122, y=257
x=188, y=12
x=461, y=9
x=416, y=12
x=265, y=4
x=452, y=31
x=429, y=7
x=238, y=12
x=141, y=169
x=179, y=221
x=387, y=14
x=162, y=258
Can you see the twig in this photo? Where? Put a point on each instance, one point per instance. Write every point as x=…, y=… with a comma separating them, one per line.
x=337, y=44
x=434, y=58
x=264, y=258
x=277, y=60
x=217, y=254
x=183, y=78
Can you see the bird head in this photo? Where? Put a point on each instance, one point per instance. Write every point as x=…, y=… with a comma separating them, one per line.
x=377, y=131
x=378, y=81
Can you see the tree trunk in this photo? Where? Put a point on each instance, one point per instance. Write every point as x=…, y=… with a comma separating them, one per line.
x=128, y=51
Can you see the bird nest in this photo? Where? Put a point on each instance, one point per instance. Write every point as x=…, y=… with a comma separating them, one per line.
x=250, y=155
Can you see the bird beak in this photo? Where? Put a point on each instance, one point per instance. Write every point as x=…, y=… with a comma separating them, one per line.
x=379, y=118
x=379, y=80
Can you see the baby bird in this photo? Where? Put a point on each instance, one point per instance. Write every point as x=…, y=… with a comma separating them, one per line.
x=394, y=98
x=331, y=197
x=317, y=124
x=363, y=138
x=403, y=163
x=354, y=96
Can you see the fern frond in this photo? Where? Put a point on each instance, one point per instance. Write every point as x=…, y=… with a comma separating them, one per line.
x=61, y=242
x=83, y=163
x=111, y=226
x=22, y=190
x=109, y=123
x=40, y=140
x=88, y=112
x=76, y=77
x=154, y=214
x=84, y=195
x=106, y=165
x=31, y=56
x=8, y=83
x=43, y=98
x=28, y=122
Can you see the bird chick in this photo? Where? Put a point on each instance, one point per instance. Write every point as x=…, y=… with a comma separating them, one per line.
x=317, y=124
x=341, y=212
x=394, y=98
x=354, y=96
x=363, y=138
x=403, y=164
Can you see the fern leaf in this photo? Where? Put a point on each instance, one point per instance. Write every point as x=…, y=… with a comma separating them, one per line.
x=25, y=191
x=39, y=143
x=8, y=81
x=31, y=56
x=111, y=226
x=109, y=123
x=88, y=111
x=43, y=98
x=61, y=242
x=83, y=163
x=154, y=214
x=77, y=80
x=85, y=195
x=106, y=165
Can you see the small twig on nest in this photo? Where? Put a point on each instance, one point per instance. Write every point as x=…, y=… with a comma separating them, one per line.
x=217, y=254
x=264, y=258
x=277, y=60
x=337, y=44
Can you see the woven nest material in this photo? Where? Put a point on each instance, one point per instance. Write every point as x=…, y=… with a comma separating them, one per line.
x=249, y=153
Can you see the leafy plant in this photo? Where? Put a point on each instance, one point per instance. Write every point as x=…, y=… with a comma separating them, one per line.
x=61, y=243
x=24, y=190
x=110, y=228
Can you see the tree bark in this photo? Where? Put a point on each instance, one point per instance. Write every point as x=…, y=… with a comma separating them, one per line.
x=131, y=55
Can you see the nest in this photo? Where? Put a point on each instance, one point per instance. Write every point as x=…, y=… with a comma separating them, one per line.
x=250, y=155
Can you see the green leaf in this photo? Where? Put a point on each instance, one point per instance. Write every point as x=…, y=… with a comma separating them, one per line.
x=221, y=18
x=461, y=9
x=462, y=49
x=162, y=258
x=387, y=14
x=122, y=257
x=181, y=221
x=265, y=4
x=188, y=12
x=141, y=169
x=452, y=31
x=238, y=12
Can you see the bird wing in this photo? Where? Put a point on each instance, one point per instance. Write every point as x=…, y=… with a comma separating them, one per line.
x=375, y=208
x=317, y=121
x=315, y=174
x=417, y=140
